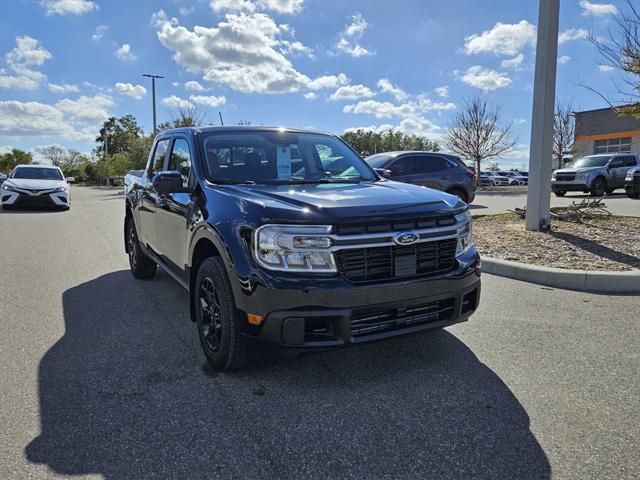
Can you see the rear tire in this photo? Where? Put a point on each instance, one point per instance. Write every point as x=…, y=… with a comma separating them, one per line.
x=461, y=194
x=598, y=187
x=141, y=265
x=217, y=317
x=633, y=195
x=7, y=207
x=560, y=193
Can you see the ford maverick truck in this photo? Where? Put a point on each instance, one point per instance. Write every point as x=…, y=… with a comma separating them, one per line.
x=287, y=240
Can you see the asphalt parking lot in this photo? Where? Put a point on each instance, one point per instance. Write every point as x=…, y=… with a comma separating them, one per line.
x=489, y=203
x=101, y=376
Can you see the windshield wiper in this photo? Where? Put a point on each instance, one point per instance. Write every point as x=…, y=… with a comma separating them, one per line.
x=227, y=181
x=300, y=181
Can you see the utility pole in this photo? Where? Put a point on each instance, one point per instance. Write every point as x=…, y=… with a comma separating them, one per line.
x=544, y=91
x=153, y=96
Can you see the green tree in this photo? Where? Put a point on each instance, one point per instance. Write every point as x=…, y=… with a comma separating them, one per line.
x=120, y=133
x=368, y=142
x=14, y=157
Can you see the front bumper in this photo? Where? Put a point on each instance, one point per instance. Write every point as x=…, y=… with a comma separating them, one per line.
x=570, y=186
x=632, y=187
x=334, y=313
x=23, y=199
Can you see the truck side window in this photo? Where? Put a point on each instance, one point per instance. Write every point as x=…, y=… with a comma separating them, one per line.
x=429, y=164
x=616, y=162
x=630, y=161
x=180, y=159
x=158, y=156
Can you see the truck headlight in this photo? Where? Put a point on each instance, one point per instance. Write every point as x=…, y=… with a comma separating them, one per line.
x=464, y=232
x=294, y=248
x=629, y=176
x=60, y=189
x=553, y=176
x=7, y=188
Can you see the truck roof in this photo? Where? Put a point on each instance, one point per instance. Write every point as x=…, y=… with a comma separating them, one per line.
x=239, y=128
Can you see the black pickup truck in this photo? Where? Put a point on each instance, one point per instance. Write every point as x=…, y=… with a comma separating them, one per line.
x=287, y=240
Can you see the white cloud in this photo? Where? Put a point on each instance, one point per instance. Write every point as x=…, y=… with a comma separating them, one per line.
x=32, y=119
x=310, y=96
x=573, y=34
x=193, y=86
x=328, y=81
x=91, y=109
x=503, y=39
x=605, y=68
x=412, y=125
x=350, y=36
x=232, y=5
x=425, y=104
x=240, y=53
x=71, y=7
x=598, y=9
x=175, y=101
x=294, y=48
x=351, y=92
x=282, y=6
x=209, y=101
x=485, y=79
x=25, y=54
x=512, y=62
x=442, y=91
x=380, y=109
x=184, y=11
x=386, y=86
x=99, y=32
x=63, y=88
x=130, y=90
x=564, y=59
x=5, y=149
x=125, y=53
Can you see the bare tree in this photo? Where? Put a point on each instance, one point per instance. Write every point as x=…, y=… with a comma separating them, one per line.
x=477, y=134
x=188, y=116
x=563, y=130
x=56, y=154
x=622, y=52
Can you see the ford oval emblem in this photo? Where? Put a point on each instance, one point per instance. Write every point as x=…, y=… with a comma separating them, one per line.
x=406, y=238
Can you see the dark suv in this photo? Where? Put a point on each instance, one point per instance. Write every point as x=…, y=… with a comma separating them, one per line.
x=289, y=240
x=435, y=170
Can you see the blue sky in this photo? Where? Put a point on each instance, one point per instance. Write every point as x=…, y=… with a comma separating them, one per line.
x=326, y=64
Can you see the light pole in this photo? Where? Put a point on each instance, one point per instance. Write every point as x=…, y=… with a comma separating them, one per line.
x=153, y=95
x=544, y=90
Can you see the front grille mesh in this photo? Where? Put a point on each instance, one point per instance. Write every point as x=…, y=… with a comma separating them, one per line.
x=384, y=263
x=565, y=177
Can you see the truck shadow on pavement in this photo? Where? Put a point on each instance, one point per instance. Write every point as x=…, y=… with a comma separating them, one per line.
x=123, y=394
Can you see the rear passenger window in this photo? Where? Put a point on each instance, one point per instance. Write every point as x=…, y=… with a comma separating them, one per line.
x=158, y=156
x=630, y=161
x=402, y=166
x=428, y=164
x=180, y=159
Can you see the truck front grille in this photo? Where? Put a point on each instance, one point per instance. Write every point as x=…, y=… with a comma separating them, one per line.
x=565, y=177
x=384, y=263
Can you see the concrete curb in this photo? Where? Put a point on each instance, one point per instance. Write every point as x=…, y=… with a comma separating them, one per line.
x=579, y=280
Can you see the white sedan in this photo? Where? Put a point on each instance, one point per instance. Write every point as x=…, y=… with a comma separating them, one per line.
x=35, y=186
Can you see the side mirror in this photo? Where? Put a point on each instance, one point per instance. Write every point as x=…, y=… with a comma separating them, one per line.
x=383, y=172
x=168, y=182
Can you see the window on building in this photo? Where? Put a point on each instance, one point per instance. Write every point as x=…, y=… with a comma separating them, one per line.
x=613, y=145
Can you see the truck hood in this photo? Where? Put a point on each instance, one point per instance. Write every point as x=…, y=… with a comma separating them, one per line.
x=339, y=202
x=29, y=184
x=576, y=170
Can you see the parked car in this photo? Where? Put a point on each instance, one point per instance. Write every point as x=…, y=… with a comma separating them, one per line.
x=515, y=178
x=428, y=169
x=495, y=179
x=35, y=185
x=632, y=183
x=594, y=174
x=288, y=240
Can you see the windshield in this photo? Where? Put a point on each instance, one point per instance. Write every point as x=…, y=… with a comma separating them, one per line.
x=379, y=160
x=34, y=173
x=282, y=157
x=592, y=161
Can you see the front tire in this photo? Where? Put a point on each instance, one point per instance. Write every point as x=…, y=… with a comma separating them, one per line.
x=560, y=193
x=598, y=187
x=217, y=317
x=141, y=265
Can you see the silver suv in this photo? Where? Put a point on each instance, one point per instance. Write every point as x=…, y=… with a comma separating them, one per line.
x=594, y=174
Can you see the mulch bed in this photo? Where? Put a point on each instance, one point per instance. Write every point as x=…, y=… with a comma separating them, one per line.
x=601, y=243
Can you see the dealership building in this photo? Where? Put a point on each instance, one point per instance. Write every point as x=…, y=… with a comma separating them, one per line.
x=604, y=131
